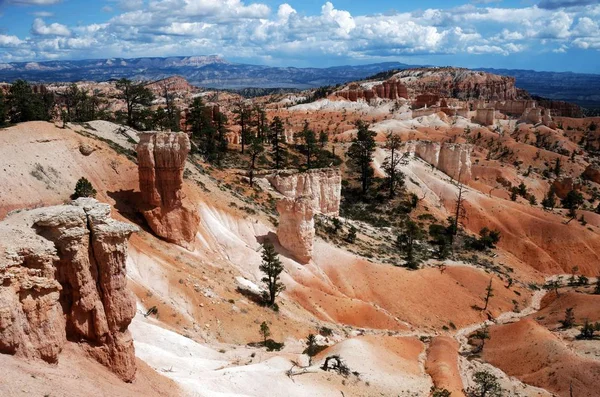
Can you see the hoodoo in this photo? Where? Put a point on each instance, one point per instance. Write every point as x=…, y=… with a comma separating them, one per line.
x=161, y=161
x=63, y=276
x=296, y=231
x=323, y=187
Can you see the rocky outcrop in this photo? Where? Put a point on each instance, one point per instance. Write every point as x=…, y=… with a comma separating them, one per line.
x=592, y=173
x=323, y=187
x=161, y=161
x=485, y=116
x=63, y=277
x=452, y=159
x=514, y=108
x=561, y=108
x=562, y=186
x=390, y=89
x=425, y=100
x=458, y=83
x=296, y=230
x=537, y=116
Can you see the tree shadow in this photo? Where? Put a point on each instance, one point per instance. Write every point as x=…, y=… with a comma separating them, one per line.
x=272, y=238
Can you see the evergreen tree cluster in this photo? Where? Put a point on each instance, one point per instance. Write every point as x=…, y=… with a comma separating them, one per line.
x=24, y=103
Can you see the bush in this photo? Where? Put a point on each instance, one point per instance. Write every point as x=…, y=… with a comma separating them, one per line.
x=486, y=385
x=487, y=240
x=83, y=188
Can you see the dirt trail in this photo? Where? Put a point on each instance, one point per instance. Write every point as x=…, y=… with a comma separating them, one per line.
x=469, y=367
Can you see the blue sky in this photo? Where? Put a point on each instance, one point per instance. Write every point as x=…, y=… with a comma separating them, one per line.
x=554, y=35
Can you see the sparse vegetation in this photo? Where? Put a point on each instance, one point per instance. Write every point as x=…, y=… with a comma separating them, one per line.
x=83, y=188
x=486, y=385
x=272, y=268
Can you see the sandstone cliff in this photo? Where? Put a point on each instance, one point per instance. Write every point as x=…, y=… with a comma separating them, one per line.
x=323, y=187
x=296, y=230
x=390, y=89
x=161, y=161
x=458, y=83
x=63, y=278
x=452, y=159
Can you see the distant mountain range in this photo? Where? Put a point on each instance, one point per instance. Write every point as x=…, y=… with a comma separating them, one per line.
x=216, y=72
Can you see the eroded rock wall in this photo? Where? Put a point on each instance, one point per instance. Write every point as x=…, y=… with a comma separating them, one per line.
x=323, y=187
x=161, y=161
x=390, y=89
x=452, y=159
x=296, y=230
x=63, y=278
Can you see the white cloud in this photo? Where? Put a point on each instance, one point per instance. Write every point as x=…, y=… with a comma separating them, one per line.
x=249, y=29
x=40, y=28
x=43, y=14
x=285, y=11
x=9, y=41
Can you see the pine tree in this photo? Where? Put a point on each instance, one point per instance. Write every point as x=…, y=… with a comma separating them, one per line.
x=243, y=117
x=255, y=149
x=222, y=131
x=323, y=139
x=572, y=201
x=271, y=267
x=171, y=110
x=265, y=332
x=557, y=167
x=311, y=347
x=407, y=243
x=25, y=105
x=137, y=98
x=569, y=320
x=83, y=188
x=549, y=201
x=277, y=135
x=309, y=141
x=395, y=177
x=204, y=133
x=360, y=154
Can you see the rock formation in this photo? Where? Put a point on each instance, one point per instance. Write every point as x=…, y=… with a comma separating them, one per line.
x=561, y=108
x=296, y=230
x=458, y=83
x=592, y=173
x=562, y=186
x=485, y=116
x=161, y=161
x=514, y=108
x=425, y=100
x=452, y=159
x=63, y=277
x=536, y=116
x=390, y=89
x=323, y=187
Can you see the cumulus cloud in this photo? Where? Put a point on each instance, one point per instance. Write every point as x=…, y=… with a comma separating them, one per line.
x=9, y=41
x=40, y=28
x=250, y=29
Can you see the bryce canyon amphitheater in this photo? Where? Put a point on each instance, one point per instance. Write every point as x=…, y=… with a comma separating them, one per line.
x=417, y=231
